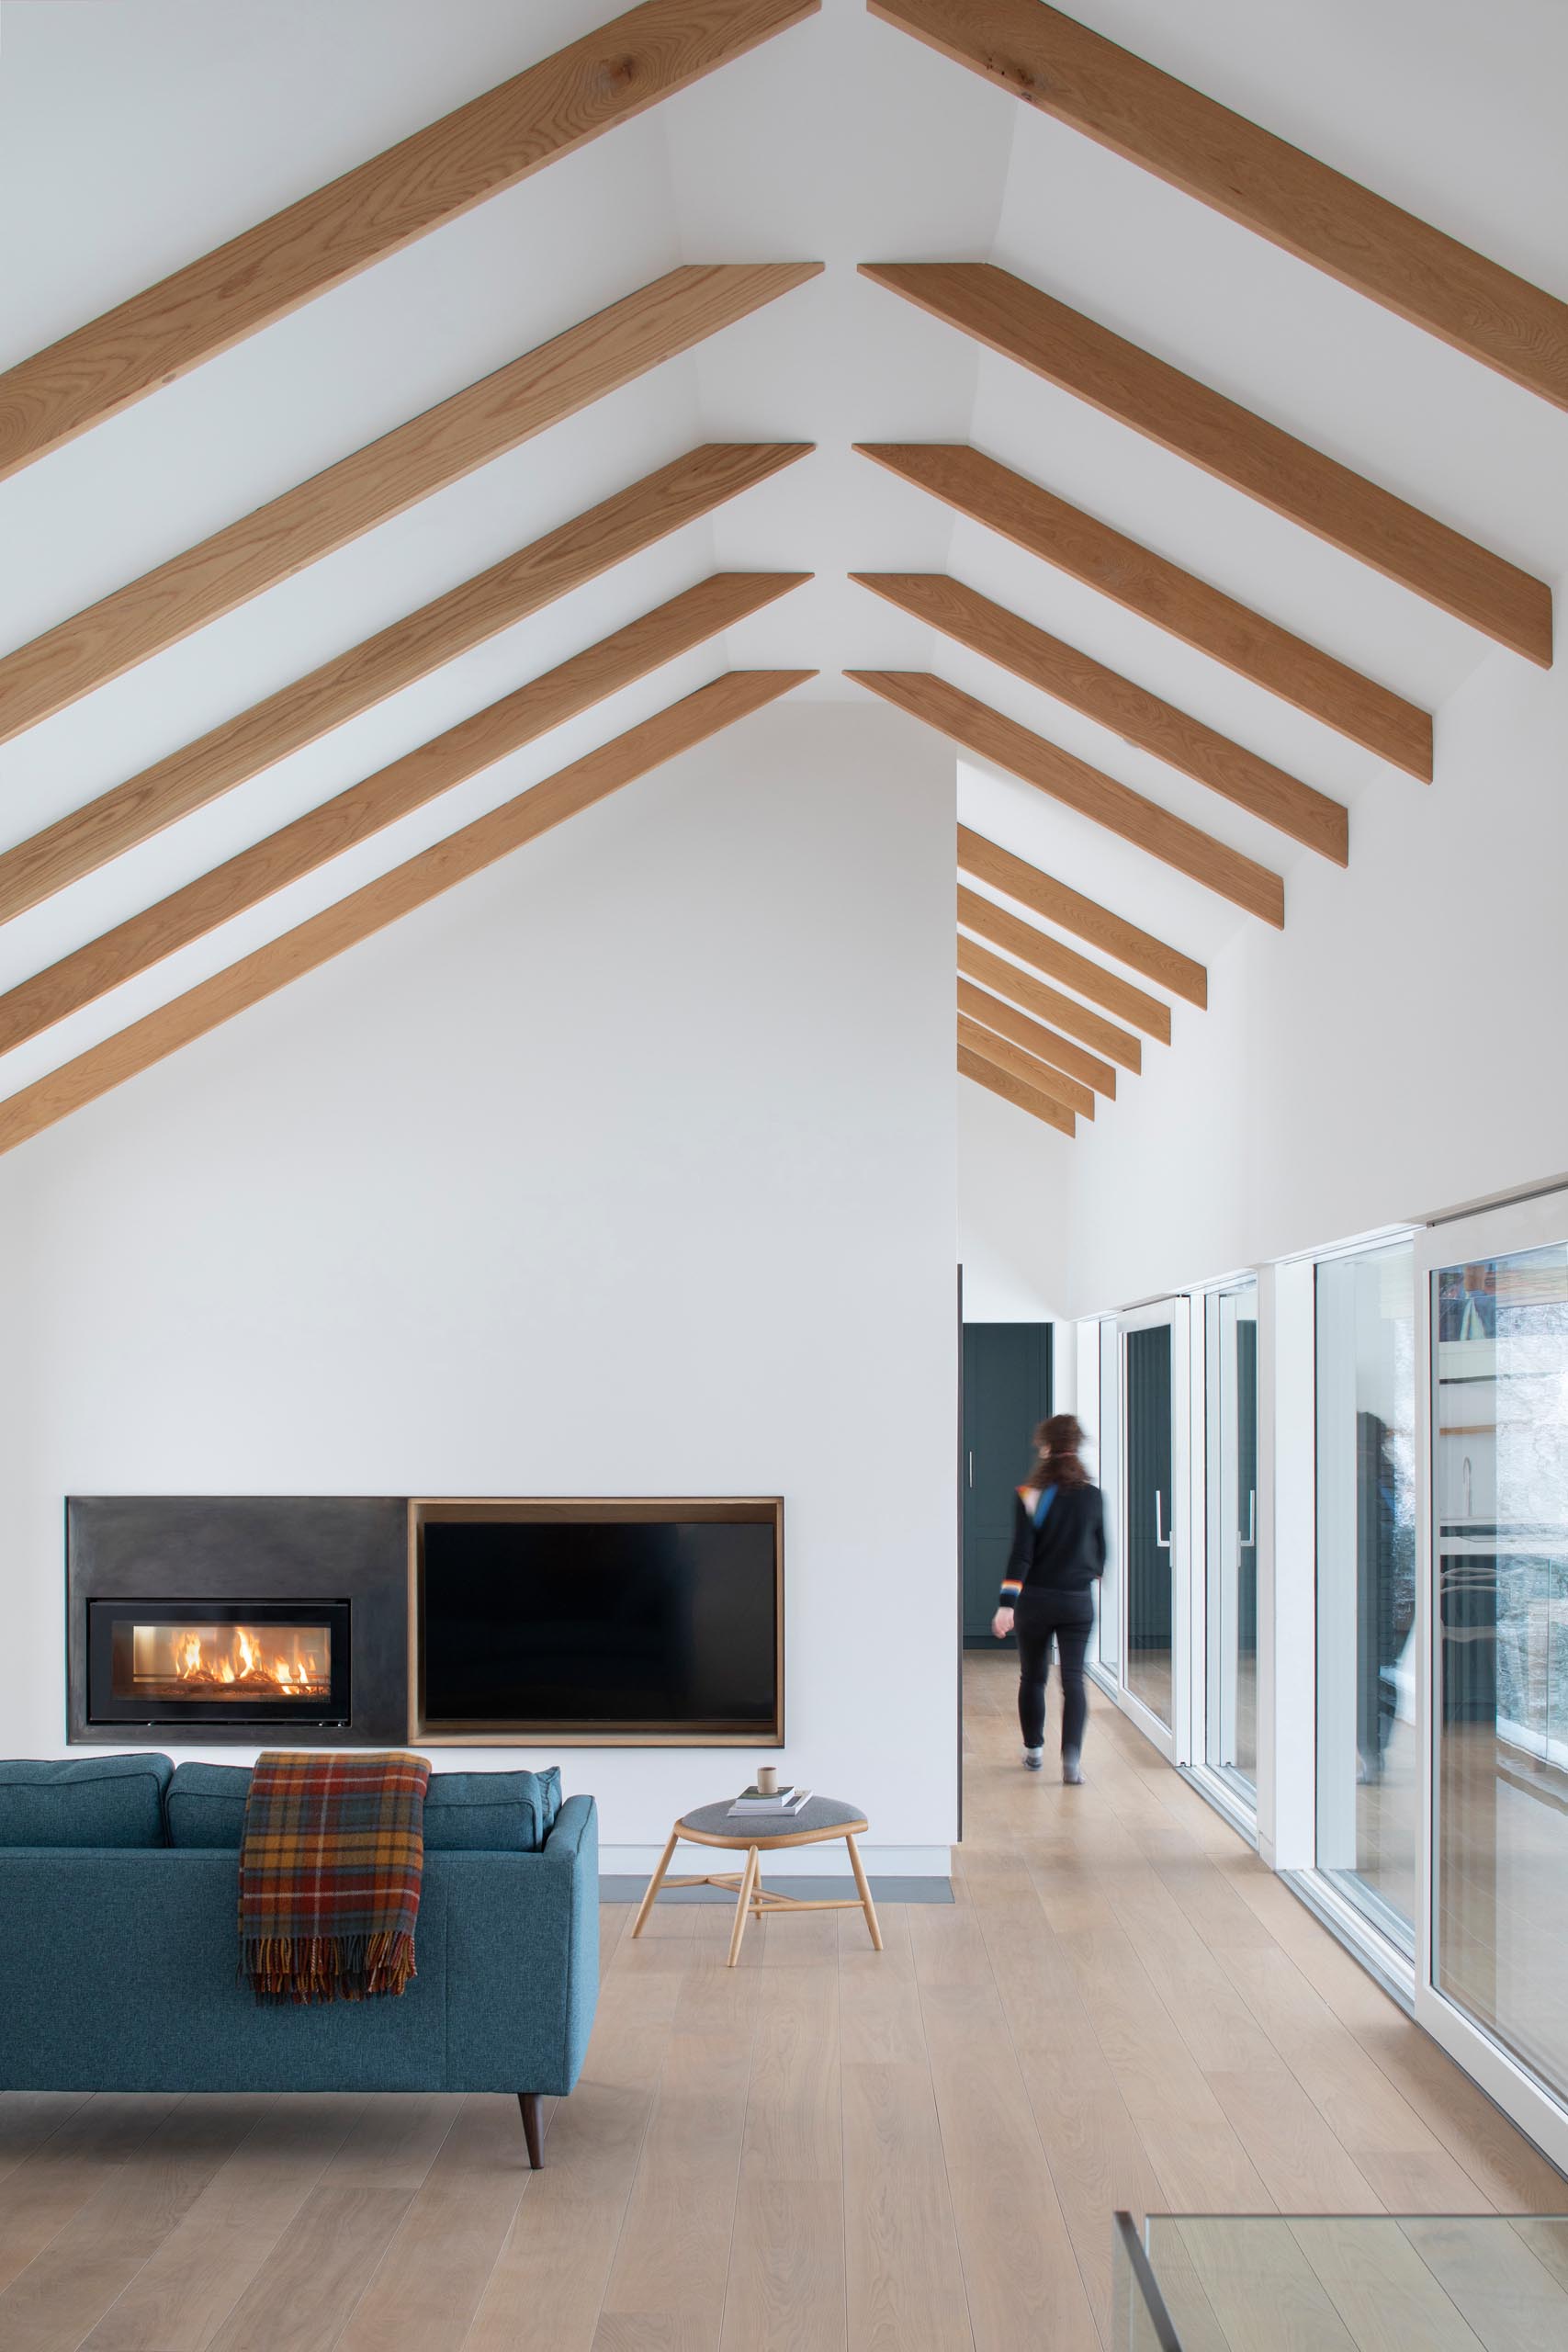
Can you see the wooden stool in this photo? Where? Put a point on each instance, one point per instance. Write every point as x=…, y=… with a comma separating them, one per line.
x=714, y=1825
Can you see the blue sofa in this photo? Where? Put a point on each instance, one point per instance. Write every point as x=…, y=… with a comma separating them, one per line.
x=120, y=1951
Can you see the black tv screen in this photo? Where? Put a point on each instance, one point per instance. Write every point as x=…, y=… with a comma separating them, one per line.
x=600, y=1626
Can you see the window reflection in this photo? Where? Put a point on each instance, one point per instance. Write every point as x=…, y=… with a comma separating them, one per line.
x=1230, y=1519
x=1367, y=1793
x=1500, y=1498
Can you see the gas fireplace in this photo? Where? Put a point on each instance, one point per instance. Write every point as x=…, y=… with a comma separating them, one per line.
x=203, y=1661
x=225, y=1620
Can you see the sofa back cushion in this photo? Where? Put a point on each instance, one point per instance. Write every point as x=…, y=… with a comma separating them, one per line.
x=491, y=1812
x=206, y=1803
x=464, y=1811
x=86, y=1801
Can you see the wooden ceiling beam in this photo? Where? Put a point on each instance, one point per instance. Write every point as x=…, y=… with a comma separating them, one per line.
x=1394, y=258
x=1114, y=702
x=1050, y=1083
x=1043, y=895
x=367, y=808
x=1085, y=789
x=993, y=1012
x=985, y=1073
x=493, y=143
x=1006, y=980
x=1160, y=591
x=351, y=682
x=385, y=477
x=1024, y=324
x=674, y=730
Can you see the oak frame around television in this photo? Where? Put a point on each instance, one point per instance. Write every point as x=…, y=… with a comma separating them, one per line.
x=586, y=1509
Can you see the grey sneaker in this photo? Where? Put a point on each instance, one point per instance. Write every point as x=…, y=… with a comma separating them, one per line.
x=1071, y=1774
x=1032, y=1759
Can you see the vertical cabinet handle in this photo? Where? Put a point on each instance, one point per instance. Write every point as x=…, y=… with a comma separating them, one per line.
x=1250, y=1538
x=971, y=1466
x=1162, y=1539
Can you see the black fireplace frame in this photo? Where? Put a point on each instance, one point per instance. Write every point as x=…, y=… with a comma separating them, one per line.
x=229, y=1552
x=333, y=1617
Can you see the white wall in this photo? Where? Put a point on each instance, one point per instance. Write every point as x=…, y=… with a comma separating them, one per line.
x=626, y=1167
x=1390, y=1054
x=1013, y=1193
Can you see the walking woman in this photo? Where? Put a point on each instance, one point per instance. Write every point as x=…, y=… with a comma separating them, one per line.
x=1058, y=1549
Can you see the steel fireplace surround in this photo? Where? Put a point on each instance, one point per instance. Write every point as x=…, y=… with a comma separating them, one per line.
x=252, y=1618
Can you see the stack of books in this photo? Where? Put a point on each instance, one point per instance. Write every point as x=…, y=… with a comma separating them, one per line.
x=781, y=1806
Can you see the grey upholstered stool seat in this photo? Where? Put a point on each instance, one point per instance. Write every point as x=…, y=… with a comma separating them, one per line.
x=715, y=1824
x=819, y=1817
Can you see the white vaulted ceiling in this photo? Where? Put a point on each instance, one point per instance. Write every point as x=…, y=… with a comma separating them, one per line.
x=134, y=137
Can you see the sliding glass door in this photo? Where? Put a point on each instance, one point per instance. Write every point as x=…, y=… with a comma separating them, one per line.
x=1153, y=1492
x=1497, y=1748
x=1230, y=1595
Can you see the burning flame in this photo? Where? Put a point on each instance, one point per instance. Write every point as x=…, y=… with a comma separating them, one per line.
x=198, y=1660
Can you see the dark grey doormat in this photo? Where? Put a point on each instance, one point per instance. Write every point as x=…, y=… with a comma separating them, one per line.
x=621, y=1887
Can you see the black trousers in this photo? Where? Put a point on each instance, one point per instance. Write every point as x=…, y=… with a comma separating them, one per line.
x=1068, y=1617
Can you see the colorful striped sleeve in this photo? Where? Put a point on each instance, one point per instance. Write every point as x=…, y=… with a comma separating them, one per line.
x=1017, y=1558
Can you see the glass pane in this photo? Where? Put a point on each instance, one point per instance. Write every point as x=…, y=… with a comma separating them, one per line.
x=1368, y=1790
x=1492, y=2282
x=1108, y=1598
x=226, y=1661
x=1231, y=1376
x=1500, y=1509
x=1150, y=1501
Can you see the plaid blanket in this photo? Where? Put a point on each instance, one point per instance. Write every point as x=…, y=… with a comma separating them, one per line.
x=330, y=1868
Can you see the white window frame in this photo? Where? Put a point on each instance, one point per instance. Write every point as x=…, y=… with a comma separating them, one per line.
x=1227, y=1796
x=1173, y=1742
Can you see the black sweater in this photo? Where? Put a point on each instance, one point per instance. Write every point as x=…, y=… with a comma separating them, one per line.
x=1064, y=1555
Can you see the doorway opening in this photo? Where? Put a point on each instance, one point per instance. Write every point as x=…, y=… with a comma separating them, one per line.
x=1007, y=1384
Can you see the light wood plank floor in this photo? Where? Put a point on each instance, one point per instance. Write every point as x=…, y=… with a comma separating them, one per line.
x=825, y=2150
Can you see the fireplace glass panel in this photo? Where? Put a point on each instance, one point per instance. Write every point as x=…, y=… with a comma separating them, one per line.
x=222, y=1661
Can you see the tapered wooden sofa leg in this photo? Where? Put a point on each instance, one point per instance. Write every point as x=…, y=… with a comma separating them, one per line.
x=529, y=2103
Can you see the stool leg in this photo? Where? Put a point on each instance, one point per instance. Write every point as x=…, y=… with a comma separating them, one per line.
x=748, y=1880
x=867, y=1905
x=656, y=1882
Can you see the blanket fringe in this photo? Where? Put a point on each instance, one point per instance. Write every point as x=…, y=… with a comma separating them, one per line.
x=303, y=1969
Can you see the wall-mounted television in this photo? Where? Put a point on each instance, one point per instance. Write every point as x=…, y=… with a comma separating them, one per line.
x=588, y=1623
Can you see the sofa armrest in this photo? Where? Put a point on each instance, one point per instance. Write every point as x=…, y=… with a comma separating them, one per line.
x=522, y=1961
x=575, y=1830
x=573, y=1843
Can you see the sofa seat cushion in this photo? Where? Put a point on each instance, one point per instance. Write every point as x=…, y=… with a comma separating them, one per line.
x=85, y=1800
x=511, y=1813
